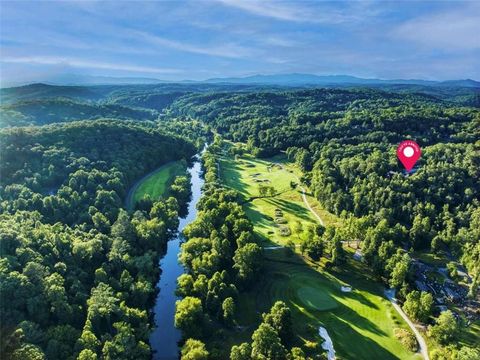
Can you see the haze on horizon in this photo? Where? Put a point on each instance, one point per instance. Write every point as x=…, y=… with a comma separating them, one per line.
x=223, y=38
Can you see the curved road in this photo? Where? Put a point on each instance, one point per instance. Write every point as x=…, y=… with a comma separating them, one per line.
x=129, y=198
x=390, y=294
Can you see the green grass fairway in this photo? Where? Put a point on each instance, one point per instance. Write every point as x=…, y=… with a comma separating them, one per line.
x=360, y=322
x=313, y=297
x=156, y=183
x=245, y=173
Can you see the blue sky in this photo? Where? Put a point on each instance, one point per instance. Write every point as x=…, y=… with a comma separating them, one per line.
x=200, y=39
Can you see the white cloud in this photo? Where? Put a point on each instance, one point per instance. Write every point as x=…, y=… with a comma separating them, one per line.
x=80, y=63
x=453, y=30
x=228, y=50
x=289, y=11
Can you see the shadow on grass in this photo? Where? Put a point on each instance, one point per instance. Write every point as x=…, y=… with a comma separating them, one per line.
x=350, y=344
x=280, y=280
x=260, y=220
x=289, y=206
x=231, y=176
x=342, y=310
x=361, y=299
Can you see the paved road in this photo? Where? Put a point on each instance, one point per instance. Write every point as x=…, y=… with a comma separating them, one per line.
x=421, y=341
x=129, y=199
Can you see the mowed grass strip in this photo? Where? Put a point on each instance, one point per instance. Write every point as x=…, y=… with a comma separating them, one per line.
x=156, y=184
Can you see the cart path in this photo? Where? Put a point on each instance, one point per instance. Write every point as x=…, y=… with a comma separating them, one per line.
x=421, y=341
x=305, y=200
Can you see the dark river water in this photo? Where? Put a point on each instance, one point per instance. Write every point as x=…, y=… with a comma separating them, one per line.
x=165, y=336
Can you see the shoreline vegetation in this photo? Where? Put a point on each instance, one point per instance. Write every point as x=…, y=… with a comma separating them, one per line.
x=86, y=287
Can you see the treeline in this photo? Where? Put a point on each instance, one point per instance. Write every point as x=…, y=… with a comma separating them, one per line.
x=435, y=209
x=345, y=141
x=77, y=272
x=47, y=111
x=156, y=100
x=273, y=121
x=40, y=104
x=69, y=171
x=221, y=258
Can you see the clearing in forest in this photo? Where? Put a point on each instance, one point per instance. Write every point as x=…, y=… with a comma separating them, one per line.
x=360, y=322
x=156, y=183
x=280, y=216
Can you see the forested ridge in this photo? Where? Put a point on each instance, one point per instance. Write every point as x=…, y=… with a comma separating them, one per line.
x=345, y=141
x=78, y=272
x=47, y=111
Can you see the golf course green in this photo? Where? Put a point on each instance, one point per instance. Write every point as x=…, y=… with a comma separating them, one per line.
x=245, y=174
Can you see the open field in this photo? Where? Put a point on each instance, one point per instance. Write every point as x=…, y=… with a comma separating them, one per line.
x=246, y=174
x=360, y=322
x=156, y=183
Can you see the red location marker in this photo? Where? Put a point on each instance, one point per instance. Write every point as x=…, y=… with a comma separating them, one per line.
x=408, y=152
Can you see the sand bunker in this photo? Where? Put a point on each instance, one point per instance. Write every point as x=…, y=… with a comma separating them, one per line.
x=346, y=288
x=327, y=344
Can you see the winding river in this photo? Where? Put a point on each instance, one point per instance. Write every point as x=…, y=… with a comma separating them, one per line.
x=164, y=338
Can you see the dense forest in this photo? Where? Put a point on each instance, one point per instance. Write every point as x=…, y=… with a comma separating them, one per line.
x=46, y=111
x=345, y=141
x=78, y=271
x=221, y=258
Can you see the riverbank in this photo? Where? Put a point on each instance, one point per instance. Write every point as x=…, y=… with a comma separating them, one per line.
x=164, y=338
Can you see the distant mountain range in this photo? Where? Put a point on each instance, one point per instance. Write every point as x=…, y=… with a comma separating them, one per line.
x=294, y=79
x=309, y=79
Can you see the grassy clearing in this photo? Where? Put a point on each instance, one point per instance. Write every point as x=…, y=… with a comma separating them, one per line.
x=156, y=183
x=360, y=323
x=246, y=174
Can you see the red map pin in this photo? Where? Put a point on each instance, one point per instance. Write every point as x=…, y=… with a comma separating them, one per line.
x=408, y=153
